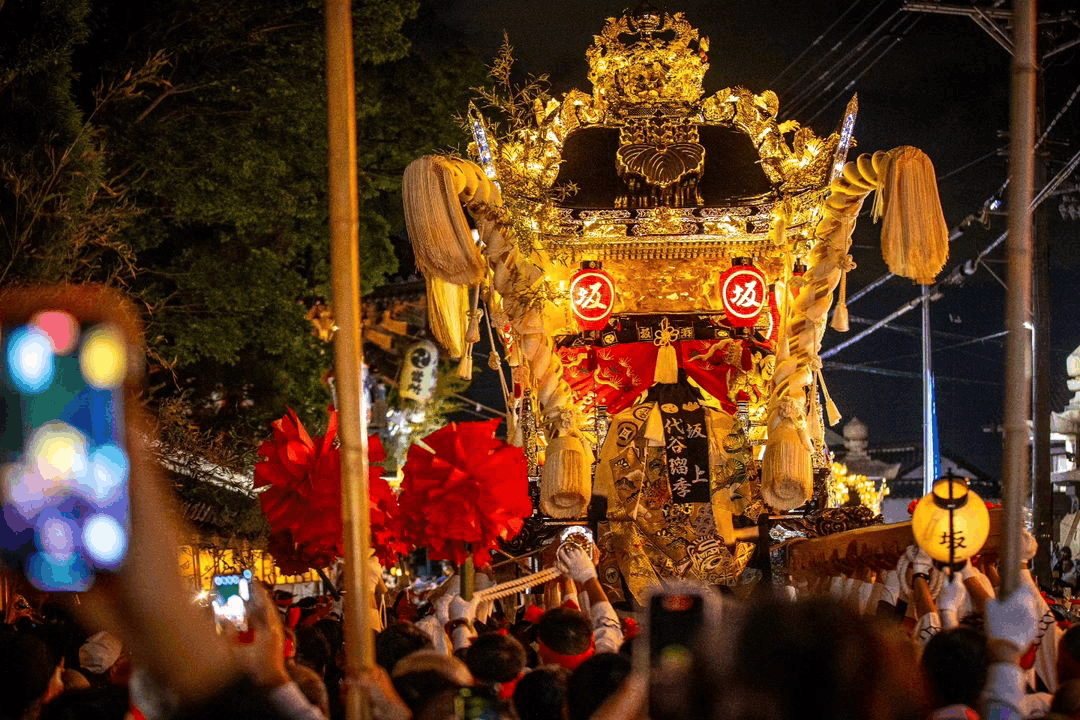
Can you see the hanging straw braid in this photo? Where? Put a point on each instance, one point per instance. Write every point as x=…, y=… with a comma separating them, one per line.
x=440, y=235
x=914, y=236
x=913, y=227
x=448, y=306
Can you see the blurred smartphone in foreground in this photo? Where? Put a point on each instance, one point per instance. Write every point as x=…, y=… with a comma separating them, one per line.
x=475, y=704
x=70, y=360
x=230, y=597
x=676, y=623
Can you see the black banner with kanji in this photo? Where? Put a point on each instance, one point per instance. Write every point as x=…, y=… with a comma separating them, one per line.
x=686, y=442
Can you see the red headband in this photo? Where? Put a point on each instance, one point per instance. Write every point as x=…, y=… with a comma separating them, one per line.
x=570, y=662
x=533, y=613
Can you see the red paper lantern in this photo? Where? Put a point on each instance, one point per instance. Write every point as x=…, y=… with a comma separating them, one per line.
x=798, y=270
x=592, y=296
x=743, y=292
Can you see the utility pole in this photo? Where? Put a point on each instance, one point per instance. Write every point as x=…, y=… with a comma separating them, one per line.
x=1042, y=495
x=1016, y=466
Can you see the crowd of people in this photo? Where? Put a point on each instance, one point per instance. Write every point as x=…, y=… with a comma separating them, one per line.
x=907, y=643
x=910, y=644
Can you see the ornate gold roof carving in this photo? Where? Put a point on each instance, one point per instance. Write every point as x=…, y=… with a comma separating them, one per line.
x=647, y=68
x=647, y=58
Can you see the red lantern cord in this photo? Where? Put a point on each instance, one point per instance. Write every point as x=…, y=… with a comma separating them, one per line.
x=463, y=486
x=302, y=499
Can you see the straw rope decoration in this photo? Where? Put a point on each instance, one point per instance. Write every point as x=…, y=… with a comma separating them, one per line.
x=512, y=587
x=907, y=196
x=566, y=486
x=438, y=234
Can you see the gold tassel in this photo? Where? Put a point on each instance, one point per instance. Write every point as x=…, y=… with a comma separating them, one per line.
x=667, y=365
x=787, y=474
x=566, y=485
x=914, y=236
x=840, y=315
x=447, y=307
x=465, y=367
x=472, y=335
x=830, y=406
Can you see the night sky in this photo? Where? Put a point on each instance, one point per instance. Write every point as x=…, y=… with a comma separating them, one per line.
x=937, y=82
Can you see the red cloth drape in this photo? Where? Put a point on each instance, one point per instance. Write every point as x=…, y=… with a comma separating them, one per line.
x=615, y=376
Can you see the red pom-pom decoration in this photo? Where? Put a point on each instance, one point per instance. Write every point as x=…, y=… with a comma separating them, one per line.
x=302, y=499
x=464, y=486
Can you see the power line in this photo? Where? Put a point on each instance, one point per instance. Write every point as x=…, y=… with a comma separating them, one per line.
x=811, y=87
x=965, y=166
x=817, y=40
x=954, y=346
x=903, y=374
x=953, y=234
x=898, y=34
x=955, y=278
x=914, y=330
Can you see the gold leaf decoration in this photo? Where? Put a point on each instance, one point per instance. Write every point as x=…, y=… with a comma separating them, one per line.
x=661, y=165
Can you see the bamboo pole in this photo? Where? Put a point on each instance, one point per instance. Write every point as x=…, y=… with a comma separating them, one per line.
x=348, y=349
x=1015, y=465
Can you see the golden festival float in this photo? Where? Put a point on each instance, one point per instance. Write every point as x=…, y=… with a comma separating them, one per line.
x=659, y=267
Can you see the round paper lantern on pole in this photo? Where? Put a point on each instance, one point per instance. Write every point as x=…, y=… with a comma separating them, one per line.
x=743, y=291
x=592, y=295
x=951, y=523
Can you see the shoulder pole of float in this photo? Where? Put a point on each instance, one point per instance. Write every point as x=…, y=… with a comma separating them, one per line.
x=348, y=347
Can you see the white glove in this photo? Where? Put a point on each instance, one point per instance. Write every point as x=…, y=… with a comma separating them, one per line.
x=866, y=591
x=890, y=588
x=949, y=600
x=462, y=609
x=951, y=595
x=1016, y=618
x=442, y=608
x=574, y=563
x=1029, y=546
x=484, y=610
x=922, y=563
x=967, y=572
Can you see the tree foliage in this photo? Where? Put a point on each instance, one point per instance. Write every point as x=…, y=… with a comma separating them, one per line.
x=177, y=149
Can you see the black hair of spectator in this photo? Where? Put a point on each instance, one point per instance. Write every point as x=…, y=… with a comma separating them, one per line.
x=398, y=639
x=594, y=681
x=109, y=702
x=312, y=649
x=27, y=665
x=418, y=688
x=541, y=694
x=1066, y=702
x=63, y=632
x=566, y=631
x=331, y=630
x=495, y=658
x=1070, y=642
x=809, y=660
x=956, y=665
